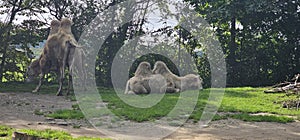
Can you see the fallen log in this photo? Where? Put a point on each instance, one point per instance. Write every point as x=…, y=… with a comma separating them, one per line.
x=286, y=87
x=291, y=87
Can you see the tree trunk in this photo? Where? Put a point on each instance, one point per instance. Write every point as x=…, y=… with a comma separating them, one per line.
x=232, y=38
x=231, y=60
x=14, y=11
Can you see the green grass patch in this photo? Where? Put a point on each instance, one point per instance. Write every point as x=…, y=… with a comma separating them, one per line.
x=66, y=114
x=6, y=134
x=54, y=134
x=21, y=87
x=255, y=118
x=28, y=87
x=262, y=118
x=243, y=100
x=157, y=111
x=254, y=100
x=121, y=109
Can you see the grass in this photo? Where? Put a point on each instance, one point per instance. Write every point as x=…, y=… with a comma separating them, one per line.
x=6, y=134
x=26, y=87
x=253, y=100
x=243, y=101
x=66, y=114
x=21, y=87
x=120, y=108
x=262, y=118
x=255, y=118
x=74, y=113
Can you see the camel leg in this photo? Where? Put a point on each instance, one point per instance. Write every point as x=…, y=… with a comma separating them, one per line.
x=83, y=71
x=84, y=78
x=40, y=83
x=42, y=64
x=61, y=78
x=140, y=89
x=62, y=70
x=69, y=82
x=70, y=64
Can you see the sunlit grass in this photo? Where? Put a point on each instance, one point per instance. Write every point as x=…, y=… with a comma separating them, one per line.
x=66, y=114
x=254, y=100
x=54, y=134
x=255, y=118
x=6, y=134
x=241, y=101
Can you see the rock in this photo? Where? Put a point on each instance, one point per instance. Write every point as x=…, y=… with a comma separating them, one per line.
x=49, y=119
x=62, y=123
x=52, y=123
x=23, y=136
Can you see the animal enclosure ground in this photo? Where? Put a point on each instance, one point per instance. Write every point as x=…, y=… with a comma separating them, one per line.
x=20, y=108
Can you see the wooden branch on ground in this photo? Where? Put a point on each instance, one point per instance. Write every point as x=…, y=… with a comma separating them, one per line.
x=281, y=84
x=286, y=87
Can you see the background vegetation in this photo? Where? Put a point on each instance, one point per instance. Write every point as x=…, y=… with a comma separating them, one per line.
x=261, y=39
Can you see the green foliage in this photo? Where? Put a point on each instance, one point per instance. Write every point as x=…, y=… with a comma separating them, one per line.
x=18, y=54
x=261, y=50
x=265, y=39
x=152, y=58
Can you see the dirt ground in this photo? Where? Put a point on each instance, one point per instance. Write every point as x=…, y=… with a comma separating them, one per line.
x=19, y=110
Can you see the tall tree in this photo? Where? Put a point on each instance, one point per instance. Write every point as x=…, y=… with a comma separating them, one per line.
x=259, y=38
x=12, y=8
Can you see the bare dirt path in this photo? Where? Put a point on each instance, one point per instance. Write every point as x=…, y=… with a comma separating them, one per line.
x=232, y=129
x=19, y=110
